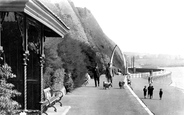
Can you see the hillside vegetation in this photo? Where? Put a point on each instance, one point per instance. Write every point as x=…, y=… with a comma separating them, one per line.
x=69, y=59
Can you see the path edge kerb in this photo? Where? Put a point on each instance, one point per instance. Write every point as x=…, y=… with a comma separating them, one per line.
x=141, y=103
x=63, y=90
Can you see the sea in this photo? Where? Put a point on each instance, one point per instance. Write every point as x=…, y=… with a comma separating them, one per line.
x=177, y=76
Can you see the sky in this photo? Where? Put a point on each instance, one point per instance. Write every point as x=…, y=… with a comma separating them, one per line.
x=145, y=26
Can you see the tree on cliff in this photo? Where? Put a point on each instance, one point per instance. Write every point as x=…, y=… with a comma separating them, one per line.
x=69, y=51
x=84, y=45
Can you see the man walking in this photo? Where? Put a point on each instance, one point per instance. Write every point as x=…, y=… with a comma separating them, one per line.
x=96, y=76
x=149, y=80
x=151, y=92
x=109, y=73
x=160, y=93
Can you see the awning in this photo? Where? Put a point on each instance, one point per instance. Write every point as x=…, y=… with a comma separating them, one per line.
x=38, y=11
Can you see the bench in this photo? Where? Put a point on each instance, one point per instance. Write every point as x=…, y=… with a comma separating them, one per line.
x=50, y=98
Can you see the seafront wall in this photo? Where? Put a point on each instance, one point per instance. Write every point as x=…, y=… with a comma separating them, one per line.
x=142, y=70
x=156, y=74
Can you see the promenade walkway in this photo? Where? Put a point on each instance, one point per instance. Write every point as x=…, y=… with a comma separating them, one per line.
x=90, y=100
x=172, y=102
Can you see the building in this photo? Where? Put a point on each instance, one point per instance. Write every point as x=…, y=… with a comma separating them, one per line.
x=24, y=24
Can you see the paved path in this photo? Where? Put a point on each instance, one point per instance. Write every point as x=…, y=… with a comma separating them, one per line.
x=173, y=98
x=90, y=100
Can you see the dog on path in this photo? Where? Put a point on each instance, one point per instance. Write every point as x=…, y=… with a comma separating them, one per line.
x=121, y=84
x=106, y=85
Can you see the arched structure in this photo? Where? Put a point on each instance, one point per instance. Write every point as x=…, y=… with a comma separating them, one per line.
x=112, y=56
x=124, y=60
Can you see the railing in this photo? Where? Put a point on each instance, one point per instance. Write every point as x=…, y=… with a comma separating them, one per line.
x=155, y=75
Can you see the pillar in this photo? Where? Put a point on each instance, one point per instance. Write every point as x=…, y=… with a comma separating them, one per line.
x=25, y=58
x=42, y=57
x=1, y=19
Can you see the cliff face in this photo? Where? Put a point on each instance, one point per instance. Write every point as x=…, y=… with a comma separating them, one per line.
x=97, y=37
x=64, y=10
x=82, y=47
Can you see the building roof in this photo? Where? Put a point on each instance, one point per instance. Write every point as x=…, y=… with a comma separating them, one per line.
x=38, y=11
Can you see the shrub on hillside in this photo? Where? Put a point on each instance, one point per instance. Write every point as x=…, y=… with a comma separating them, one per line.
x=58, y=79
x=68, y=82
x=69, y=51
x=90, y=57
x=52, y=68
x=7, y=104
x=52, y=59
x=93, y=56
x=47, y=77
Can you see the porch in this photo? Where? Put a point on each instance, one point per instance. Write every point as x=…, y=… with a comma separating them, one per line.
x=24, y=25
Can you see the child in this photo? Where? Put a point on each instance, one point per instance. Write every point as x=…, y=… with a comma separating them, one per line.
x=160, y=93
x=129, y=82
x=145, y=91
